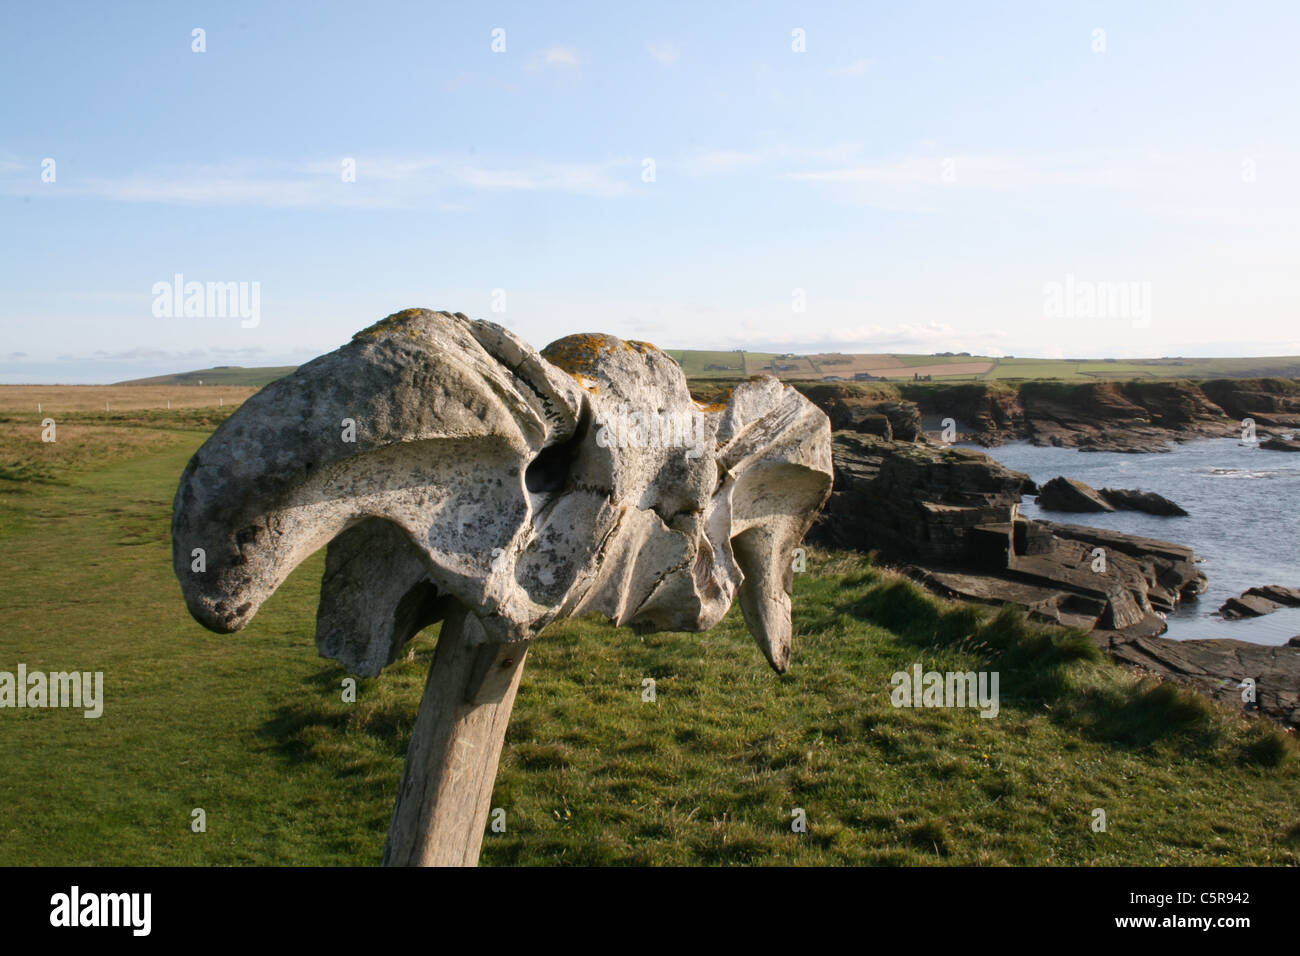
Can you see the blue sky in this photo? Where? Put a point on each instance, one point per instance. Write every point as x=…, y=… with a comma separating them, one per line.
x=919, y=171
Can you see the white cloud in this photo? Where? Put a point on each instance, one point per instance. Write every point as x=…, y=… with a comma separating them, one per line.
x=922, y=337
x=556, y=56
x=988, y=171
x=715, y=161
x=1199, y=188
x=720, y=161
x=856, y=68
x=666, y=53
x=381, y=182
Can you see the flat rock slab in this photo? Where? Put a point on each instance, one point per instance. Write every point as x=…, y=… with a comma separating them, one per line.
x=1069, y=494
x=1066, y=494
x=1131, y=499
x=1257, y=602
x=1280, y=444
x=1218, y=668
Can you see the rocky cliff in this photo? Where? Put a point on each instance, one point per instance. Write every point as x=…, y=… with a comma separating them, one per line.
x=950, y=517
x=1131, y=416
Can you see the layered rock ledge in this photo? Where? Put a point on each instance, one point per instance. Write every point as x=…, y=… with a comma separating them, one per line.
x=1068, y=494
x=1133, y=416
x=949, y=517
x=1257, y=602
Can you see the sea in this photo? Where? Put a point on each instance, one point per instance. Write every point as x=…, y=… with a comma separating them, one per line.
x=1244, y=519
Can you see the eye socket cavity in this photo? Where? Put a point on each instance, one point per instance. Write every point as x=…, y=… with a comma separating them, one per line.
x=549, y=472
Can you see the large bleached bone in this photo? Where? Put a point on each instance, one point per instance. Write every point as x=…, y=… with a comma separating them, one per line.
x=456, y=474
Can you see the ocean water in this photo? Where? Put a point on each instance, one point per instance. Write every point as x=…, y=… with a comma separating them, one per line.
x=1244, y=519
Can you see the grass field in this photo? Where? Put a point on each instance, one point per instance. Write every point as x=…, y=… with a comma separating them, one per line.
x=108, y=399
x=221, y=375
x=252, y=728
x=734, y=366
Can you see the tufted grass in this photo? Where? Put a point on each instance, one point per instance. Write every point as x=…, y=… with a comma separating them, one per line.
x=252, y=727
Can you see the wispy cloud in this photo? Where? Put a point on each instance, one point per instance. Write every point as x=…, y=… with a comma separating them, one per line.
x=555, y=57
x=1202, y=187
x=920, y=337
x=997, y=171
x=378, y=182
x=666, y=53
x=772, y=159
x=856, y=68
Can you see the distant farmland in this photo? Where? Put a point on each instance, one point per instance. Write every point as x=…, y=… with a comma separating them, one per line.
x=221, y=375
x=894, y=367
x=969, y=368
x=111, y=400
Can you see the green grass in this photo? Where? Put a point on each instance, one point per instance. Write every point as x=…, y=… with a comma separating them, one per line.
x=1076, y=370
x=910, y=361
x=728, y=365
x=221, y=375
x=697, y=363
x=252, y=727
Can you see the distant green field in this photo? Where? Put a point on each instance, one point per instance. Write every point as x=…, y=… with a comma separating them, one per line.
x=912, y=360
x=221, y=375
x=1082, y=370
x=734, y=365
x=705, y=364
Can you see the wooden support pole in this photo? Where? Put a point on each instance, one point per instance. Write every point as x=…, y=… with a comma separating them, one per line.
x=451, y=765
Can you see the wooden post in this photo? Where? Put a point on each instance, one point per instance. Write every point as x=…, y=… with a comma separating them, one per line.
x=451, y=765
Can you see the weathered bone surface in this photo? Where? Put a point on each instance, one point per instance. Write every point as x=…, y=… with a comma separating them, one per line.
x=497, y=489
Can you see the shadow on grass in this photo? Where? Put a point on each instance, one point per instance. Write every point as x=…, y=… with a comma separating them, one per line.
x=321, y=728
x=1042, y=663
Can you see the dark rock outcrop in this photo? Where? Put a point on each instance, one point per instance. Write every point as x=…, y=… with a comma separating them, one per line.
x=1066, y=494
x=1118, y=416
x=1219, y=669
x=950, y=517
x=904, y=418
x=1132, y=416
x=866, y=409
x=1277, y=443
x=1257, y=602
x=990, y=413
x=1272, y=402
x=1130, y=499
x=875, y=424
x=915, y=500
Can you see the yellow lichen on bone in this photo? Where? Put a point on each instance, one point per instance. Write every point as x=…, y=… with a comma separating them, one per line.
x=390, y=323
x=579, y=354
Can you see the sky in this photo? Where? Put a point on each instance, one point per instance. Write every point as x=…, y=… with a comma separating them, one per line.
x=858, y=177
